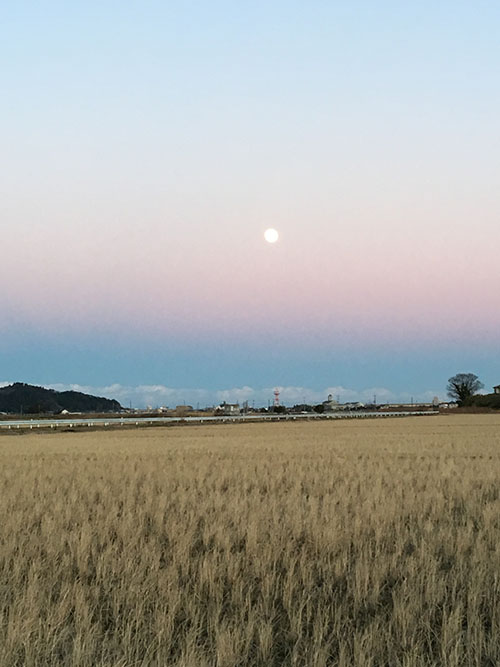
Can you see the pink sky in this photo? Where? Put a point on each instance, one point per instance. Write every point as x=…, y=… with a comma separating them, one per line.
x=229, y=282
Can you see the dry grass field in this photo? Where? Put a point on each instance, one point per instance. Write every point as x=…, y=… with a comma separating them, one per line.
x=357, y=544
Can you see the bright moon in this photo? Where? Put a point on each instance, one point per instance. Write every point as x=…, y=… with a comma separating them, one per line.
x=271, y=235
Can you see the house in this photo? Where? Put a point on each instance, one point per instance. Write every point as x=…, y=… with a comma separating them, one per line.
x=496, y=390
x=228, y=409
x=353, y=406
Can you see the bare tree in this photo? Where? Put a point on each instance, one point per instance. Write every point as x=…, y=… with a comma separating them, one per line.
x=463, y=386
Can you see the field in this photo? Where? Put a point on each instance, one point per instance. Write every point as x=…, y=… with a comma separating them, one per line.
x=357, y=544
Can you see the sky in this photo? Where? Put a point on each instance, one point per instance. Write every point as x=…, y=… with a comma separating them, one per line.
x=146, y=146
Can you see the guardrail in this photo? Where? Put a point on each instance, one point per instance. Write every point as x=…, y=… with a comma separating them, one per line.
x=151, y=421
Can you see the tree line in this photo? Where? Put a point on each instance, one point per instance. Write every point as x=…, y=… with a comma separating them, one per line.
x=465, y=387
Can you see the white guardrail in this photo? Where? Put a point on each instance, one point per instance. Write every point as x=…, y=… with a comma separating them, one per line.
x=145, y=421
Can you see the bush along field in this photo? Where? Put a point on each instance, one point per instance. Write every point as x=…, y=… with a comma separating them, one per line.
x=334, y=543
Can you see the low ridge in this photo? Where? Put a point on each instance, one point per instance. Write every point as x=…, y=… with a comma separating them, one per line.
x=20, y=398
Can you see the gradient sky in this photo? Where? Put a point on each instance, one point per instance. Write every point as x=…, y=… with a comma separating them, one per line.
x=146, y=146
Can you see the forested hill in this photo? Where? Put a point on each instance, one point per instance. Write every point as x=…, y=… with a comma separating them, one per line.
x=20, y=398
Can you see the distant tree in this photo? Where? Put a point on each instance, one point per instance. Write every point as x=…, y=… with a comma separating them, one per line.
x=463, y=386
x=320, y=408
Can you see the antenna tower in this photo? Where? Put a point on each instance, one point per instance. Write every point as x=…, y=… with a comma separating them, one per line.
x=276, y=398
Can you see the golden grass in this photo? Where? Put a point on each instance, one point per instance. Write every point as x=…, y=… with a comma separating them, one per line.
x=335, y=543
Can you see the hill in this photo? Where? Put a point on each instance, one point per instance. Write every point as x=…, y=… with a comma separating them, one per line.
x=20, y=398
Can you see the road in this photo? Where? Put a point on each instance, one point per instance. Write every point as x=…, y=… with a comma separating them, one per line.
x=150, y=421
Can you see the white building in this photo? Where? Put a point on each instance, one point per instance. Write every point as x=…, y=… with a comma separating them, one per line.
x=330, y=405
x=228, y=409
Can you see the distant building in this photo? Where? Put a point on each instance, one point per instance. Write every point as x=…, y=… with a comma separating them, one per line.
x=181, y=410
x=496, y=390
x=330, y=405
x=228, y=409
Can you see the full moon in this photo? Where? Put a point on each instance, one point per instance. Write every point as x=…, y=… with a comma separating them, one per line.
x=271, y=235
